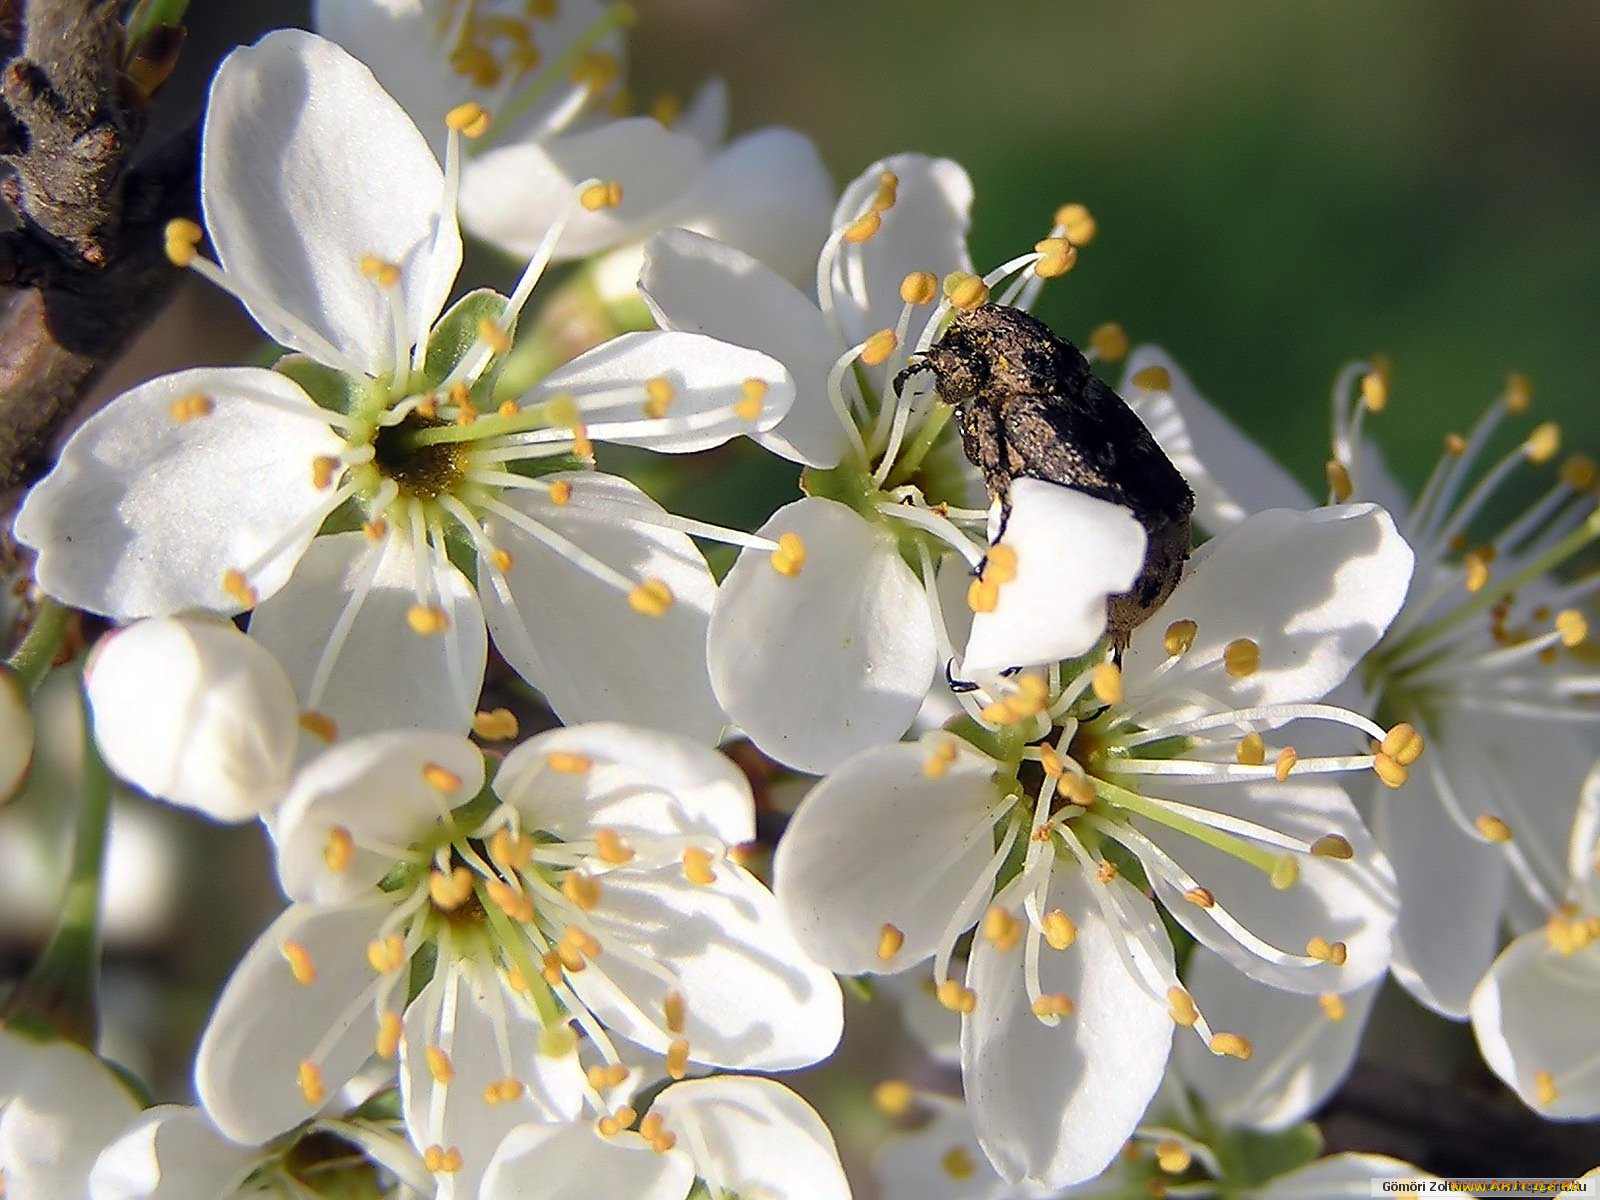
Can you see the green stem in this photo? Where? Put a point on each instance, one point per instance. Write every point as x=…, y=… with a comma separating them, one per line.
x=60, y=991
x=33, y=657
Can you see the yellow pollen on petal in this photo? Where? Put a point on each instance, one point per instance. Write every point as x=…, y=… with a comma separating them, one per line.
x=470, y=120
x=1333, y=845
x=601, y=195
x=339, y=850
x=1572, y=627
x=1252, y=751
x=495, y=725
x=1332, y=1006
x=1493, y=829
x=1241, y=658
x=441, y=779
x=1180, y=1004
x=893, y=1097
x=1285, y=873
x=697, y=867
x=387, y=954
x=939, y=760
x=498, y=341
x=582, y=889
x=1153, y=379
x=319, y=725
x=919, y=287
x=790, y=556
x=659, y=394
x=875, y=351
x=566, y=762
x=449, y=892
x=1057, y=1004
x=1339, y=481
x=300, y=963
x=238, y=589
x=182, y=241
x=427, y=619
x=1179, y=637
x=965, y=291
x=1232, y=1045
x=862, y=228
x=888, y=192
x=1393, y=772
x=390, y=1030
x=1544, y=443
x=890, y=939
x=678, y=1058
x=1109, y=341
x=1580, y=472
x=1403, y=744
x=652, y=598
x=1285, y=763
x=191, y=407
x=752, y=397
x=1107, y=683
x=1172, y=1156
x=1077, y=222
x=1544, y=1084
x=957, y=1164
x=382, y=272
x=310, y=1079
x=1200, y=896
x=955, y=997
x=1519, y=393
x=1000, y=928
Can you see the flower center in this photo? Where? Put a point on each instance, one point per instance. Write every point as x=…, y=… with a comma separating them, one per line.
x=422, y=471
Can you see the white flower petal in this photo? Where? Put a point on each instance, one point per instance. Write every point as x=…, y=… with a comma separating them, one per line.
x=511, y=194
x=340, y=629
x=1338, y=1175
x=308, y=166
x=1351, y=901
x=1072, y=552
x=754, y=1137
x=916, y=844
x=144, y=514
x=1055, y=1105
x=1231, y=476
x=1314, y=590
x=708, y=378
x=1583, y=849
x=706, y=117
x=192, y=711
x=266, y=1023
x=754, y=1000
x=1533, y=1015
x=336, y=790
x=641, y=783
x=696, y=284
x=849, y=637
x=932, y=1026
x=1300, y=1049
x=16, y=735
x=172, y=1152
x=576, y=638
x=537, y=1162
x=942, y=1160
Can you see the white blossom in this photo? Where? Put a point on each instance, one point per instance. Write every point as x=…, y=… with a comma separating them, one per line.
x=16, y=735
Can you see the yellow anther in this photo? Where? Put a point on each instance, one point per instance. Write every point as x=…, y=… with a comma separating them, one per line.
x=439, y=1064
x=939, y=760
x=957, y=1164
x=965, y=291
x=1233, y=1045
x=1181, y=1006
x=1050, y=762
x=652, y=598
x=301, y=966
x=498, y=341
x=1179, y=637
x=983, y=595
x=470, y=120
x=560, y=493
x=659, y=394
x=510, y=851
x=674, y=1011
x=893, y=1097
x=183, y=241
x=1106, y=870
x=790, y=556
x=862, y=228
x=1153, y=379
x=566, y=762
x=510, y=900
x=955, y=997
x=449, y=891
x=607, y=1076
x=1455, y=445
x=1393, y=772
x=1109, y=341
x=1544, y=1084
x=888, y=192
x=617, y=1121
x=1572, y=627
x=1000, y=929
x=875, y=351
x=1339, y=484
x=1252, y=751
x=441, y=779
x=339, y=851
x=1493, y=828
x=678, y=1058
x=1077, y=788
x=1200, y=896
x=1057, y=256
x=1321, y=949
x=1285, y=763
x=601, y=195
x=1000, y=564
x=375, y=530
x=191, y=407
x=608, y=844
x=382, y=272
x=582, y=889
x=323, y=470
x=502, y=1091
x=666, y=108
x=1077, y=223
x=1107, y=683
x=390, y=1029
x=1285, y=873
x=239, y=589
x=919, y=287
x=1241, y=658
x=427, y=619
x=1057, y=1004
x=1477, y=567
x=1332, y=1006
x=1403, y=744
x=752, y=399
x=442, y=1160
x=1580, y=472
x=697, y=866
x=1333, y=845
x=1172, y=1156
x=1374, y=391
x=495, y=725
x=387, y=954
x=1544, y=443
x=311, y=1085
x=1519, y=393
x=890, y=939
x=319, y=725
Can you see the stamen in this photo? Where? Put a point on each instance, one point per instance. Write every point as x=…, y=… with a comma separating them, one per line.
x=890, y=939
x=790, y=556
x=319, y=725
x=1077, y=223
x=919, y=287
x=497, y=725
x=300, y=963
x=470, y=120
x=1108, y=342
x=893, y=1097
x=1232, y=1045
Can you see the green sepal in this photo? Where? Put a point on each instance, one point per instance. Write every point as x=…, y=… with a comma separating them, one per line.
x=1252, y=1158
x=328, y=388
x=456, y=334
x=862, y=987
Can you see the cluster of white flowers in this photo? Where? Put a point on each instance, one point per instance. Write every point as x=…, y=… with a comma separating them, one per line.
x=1133, y=888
